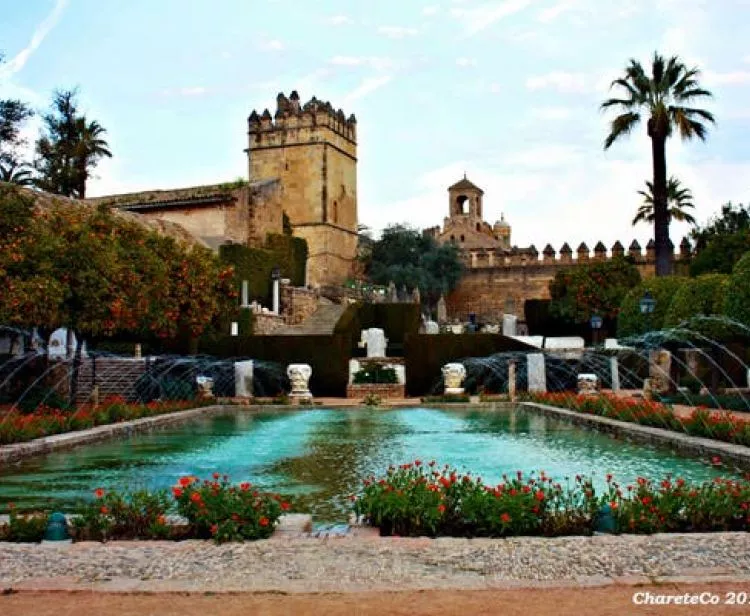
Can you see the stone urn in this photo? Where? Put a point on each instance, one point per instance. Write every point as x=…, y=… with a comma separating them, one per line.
x=205, y=387
x=588, y=384
x=299, y=377
x=453, y=376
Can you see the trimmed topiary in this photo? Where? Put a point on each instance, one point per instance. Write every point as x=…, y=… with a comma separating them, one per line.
x=631, y=322
x=698, y=297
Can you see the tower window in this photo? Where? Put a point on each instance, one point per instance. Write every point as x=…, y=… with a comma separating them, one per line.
x=479, y=227
x=462, y=238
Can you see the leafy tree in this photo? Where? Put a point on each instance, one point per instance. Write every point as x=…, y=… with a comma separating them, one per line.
x=15, y=172
x=408, y=258
x=721, y=242
x=597, y=288
x=737, y=301
x=666, y=98
x=13, y=114
x=678, y=199
x=69, y=149
x=631, y=322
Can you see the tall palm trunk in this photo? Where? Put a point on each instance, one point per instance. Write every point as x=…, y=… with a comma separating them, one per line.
x=661, y=212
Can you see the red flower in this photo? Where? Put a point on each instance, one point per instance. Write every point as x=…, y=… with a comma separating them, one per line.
x=646, y=500
x=216, y=475
x=263, y=521
x=99, y=492
x=441, y=508
x=244, y=486
x=177, y=492
x=195, y=497
x=285, y=506
x=539, y=495
x=104, y=510
x=417, y=462
x=185, y=481
x=214, y=529
x=505, y=518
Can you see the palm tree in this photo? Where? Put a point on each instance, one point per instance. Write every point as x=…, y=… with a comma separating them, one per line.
x=15, y=173
x=90, y=147
x=665, y=97
x=678, y=199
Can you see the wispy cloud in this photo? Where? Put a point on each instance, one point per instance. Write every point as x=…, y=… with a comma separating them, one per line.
x=485, y=15
x=43, y=29
x=466, y=62
x=397, y=32
x=368, y=85
x=339, y=20
x=271, y=45
x=378, y=63
x=561, y=81
x=561, y=7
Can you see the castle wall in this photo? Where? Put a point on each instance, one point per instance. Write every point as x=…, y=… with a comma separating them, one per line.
x=328, y=248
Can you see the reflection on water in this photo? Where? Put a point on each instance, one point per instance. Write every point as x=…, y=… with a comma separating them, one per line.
x=320, y=457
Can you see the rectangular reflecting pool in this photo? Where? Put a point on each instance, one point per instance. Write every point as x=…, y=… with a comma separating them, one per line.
x=320, y=457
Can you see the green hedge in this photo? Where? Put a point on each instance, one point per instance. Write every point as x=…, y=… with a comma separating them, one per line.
x=328, y=356
x=256, y=264
x=396, y=320
x=703, y=295
x=426, y=354
x=737, y=302
x=630, y=321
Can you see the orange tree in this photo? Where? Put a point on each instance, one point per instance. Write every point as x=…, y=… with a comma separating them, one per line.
x=102, y=274
x=598, y=288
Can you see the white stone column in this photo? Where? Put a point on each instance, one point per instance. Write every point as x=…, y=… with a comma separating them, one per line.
x=512, y=380
x=614, y=367
x=276, y=302
x=243, y=379
x=537, y=377
x=245, y=293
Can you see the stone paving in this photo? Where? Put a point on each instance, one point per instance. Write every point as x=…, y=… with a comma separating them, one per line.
x=362, y=561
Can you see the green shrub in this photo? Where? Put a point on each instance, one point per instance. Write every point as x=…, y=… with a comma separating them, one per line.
x=227, y=513
x=375, y=374
x=630, y=321
x=24, y=528
x=135, y=515
x=737, y=300
x=41, y=395
x=703, y=295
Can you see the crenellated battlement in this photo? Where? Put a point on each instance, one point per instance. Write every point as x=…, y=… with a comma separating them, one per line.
x=301, y=120
x=478, y=258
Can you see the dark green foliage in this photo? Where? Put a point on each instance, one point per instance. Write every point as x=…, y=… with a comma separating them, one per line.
x=737, y=301
x=256, y=264
x=426, y=355
x=396, y=320
x=541, y=322
x=375, y=374
x=41, y=394
x=596, y=288
x=408, y=258
x=721, y=243
x=698, y=296
x=631, y=322
x=291, y=255
x=327, y=355
x=24, y=528
x=718, y=401
x=447, y=399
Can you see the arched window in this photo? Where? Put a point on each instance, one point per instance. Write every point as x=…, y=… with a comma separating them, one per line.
x=462, y=238
x=463, y=203
x=479, y=227
x=453, y=239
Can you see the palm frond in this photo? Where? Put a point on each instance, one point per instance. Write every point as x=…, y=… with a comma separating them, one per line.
x=621, y=125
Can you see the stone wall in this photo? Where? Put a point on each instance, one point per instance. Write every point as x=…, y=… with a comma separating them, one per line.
x=383, y=390
x=265, y=324
x=297, y=303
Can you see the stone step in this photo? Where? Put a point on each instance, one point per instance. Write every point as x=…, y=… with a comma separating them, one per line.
x=319, y=323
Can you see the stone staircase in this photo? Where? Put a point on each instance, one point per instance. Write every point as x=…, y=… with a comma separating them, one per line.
x=319, y=323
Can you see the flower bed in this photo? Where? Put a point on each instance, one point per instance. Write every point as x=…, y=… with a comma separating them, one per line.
x=718, y=425
x=18, y=427
x=414, y=500
x=381, y=390
x=212, y=508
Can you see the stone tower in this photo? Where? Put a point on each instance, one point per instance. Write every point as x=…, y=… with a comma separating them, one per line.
x=312, y=150
x=465, y=200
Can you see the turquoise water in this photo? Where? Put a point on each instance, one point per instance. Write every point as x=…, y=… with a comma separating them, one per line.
x=320, y=457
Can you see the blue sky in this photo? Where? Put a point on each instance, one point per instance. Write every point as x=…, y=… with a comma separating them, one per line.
x=505, y=90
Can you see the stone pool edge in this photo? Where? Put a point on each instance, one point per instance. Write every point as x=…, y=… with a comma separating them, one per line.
x=67, y=440
x=739, y=455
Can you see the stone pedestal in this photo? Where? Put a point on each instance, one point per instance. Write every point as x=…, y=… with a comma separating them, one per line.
x=614, y=367
x=659, y=369
x=205, y=387
x=453, y=377
x=537, y=377
x=588, y=383
x=509, y=324
x=243, y=379
x=299, y=377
